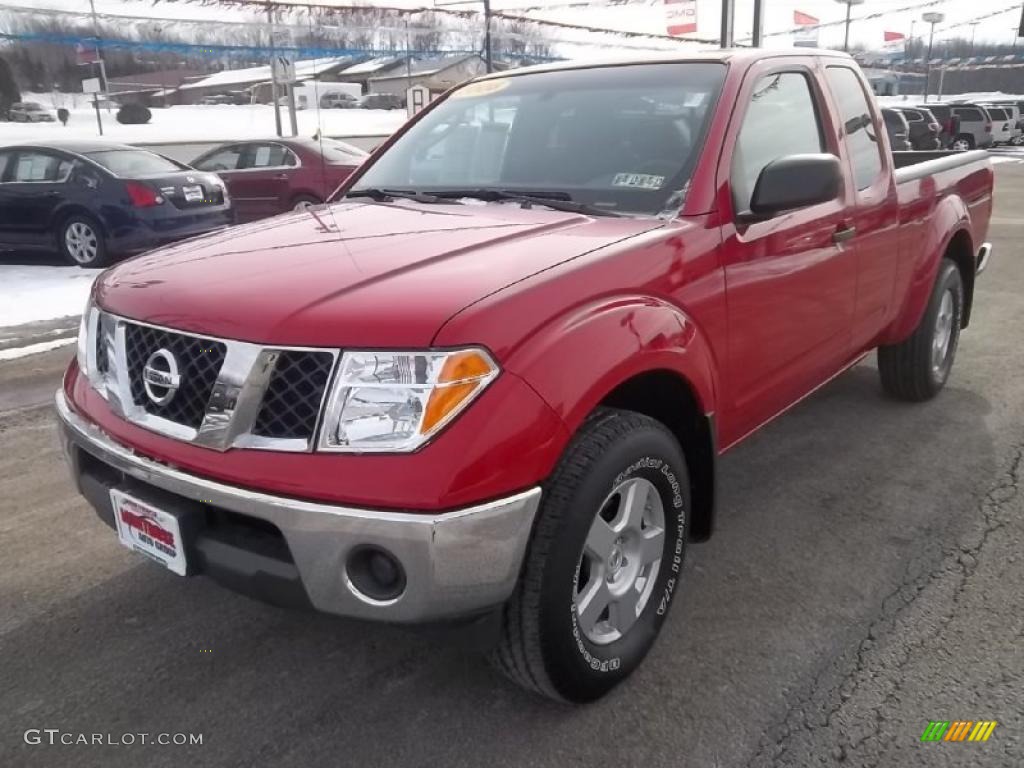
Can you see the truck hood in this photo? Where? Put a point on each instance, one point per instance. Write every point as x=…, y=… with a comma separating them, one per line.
x=352, y=274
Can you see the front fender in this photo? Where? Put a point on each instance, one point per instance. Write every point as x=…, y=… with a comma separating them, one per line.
x=575, y=361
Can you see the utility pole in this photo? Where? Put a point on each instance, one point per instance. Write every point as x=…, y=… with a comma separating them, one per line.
x=932, y=18
x=102, y=66
x=849, y=6
x=275, y=93
x=758, y=23
x=974, y=31
x=727, y=35
x=487, y=36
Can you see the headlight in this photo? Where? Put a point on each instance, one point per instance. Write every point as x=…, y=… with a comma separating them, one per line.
x=86, y=339
x=397, y=401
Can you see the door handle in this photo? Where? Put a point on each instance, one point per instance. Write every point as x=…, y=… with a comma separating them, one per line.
x=843, y=234
x=281, y=177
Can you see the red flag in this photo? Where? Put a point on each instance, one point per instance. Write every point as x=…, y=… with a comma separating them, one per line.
x=681, y=16
x=803, y=19
x=891, y=37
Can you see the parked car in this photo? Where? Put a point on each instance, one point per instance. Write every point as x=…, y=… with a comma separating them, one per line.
x=898, y=129
x=924, y=128
x=94, y=201
x=1017, y=109
x=493, y=384
x=230, y=97
x=1013, y=120
x=1002, y=125
x=339, y=101
x=382, y=101
x=949, y=122
x=267, y=177
x=29, y=112
x=975, y=131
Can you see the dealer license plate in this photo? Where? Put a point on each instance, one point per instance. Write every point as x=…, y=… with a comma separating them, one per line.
x=192, y=194
x=144, y=528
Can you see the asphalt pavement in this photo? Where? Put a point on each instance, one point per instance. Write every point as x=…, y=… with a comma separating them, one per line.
x=866, y=577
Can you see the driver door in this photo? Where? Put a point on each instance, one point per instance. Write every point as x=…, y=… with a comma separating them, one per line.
x=791, y=279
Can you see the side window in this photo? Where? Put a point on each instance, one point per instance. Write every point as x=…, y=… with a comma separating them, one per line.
x=270, y=156
x=224, y=160
x=39, y=167
x=858, y=128
x=912, y=117
x=781, y=120
x=4, y=160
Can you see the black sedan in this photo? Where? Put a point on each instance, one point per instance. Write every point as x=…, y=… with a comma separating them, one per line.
x=96, y=201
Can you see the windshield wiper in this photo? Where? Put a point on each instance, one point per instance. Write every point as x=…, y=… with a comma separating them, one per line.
x=560, y=201
x=389, y=195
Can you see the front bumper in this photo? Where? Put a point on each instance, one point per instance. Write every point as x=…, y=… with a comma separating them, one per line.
x=456, y=563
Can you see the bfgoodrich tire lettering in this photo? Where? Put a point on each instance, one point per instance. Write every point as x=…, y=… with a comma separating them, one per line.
x=543, y=645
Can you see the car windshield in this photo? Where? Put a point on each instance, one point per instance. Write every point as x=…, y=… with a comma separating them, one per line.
x=340, y=152
x=621, y=139
x=133, y=162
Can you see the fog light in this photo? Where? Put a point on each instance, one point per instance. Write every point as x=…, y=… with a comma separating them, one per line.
x=375, y=573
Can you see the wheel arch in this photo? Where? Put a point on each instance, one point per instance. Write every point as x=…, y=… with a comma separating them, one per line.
x=637, y=353
x=961, y=252
x=66, y=211
x=669, y=399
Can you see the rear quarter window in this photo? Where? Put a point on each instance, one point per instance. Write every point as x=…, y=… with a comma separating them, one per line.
x=969, y=114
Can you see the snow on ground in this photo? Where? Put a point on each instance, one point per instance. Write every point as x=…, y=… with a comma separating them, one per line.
x=30, y=293
x=207, y=123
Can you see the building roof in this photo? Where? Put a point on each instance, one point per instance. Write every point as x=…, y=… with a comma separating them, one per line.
x=144, y=81
x=370, y=66
x=427, y=67
x=305, y=69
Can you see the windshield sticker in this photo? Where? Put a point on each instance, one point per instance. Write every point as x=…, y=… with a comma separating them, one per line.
x=639, y=180
x=481, y=88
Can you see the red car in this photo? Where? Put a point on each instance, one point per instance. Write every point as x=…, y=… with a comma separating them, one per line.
x=493, y=381
x=265, y=178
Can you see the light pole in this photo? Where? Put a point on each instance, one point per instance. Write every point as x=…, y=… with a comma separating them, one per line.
x=974, y=31
x=932, y=18
x=849, y=4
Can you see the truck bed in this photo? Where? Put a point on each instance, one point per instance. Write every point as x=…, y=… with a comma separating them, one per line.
x=911, y=166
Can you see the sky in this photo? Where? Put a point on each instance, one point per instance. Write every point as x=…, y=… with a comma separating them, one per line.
x=649, y=16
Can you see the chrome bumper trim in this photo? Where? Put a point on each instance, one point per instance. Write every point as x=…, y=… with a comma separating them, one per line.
x=456, y=563
x=984, y=254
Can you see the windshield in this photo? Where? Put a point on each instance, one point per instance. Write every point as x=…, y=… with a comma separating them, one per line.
x=339, y=152
x=133, y=162
x=622, y=139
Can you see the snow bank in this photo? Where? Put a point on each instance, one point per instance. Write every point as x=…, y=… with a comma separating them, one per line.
x=29, y=293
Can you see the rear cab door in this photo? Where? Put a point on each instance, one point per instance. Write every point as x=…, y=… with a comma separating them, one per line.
x=791, y=279
x=874, y=211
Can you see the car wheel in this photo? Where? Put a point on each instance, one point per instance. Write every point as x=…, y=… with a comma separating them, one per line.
x=604, y=561
x=962, y=143
x=302, y=202
x=82, y=243
x=917, y=368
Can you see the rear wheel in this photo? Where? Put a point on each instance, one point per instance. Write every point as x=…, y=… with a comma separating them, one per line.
x=81, y=241
x=302, y=202
x=604, y=561
x=917, y=368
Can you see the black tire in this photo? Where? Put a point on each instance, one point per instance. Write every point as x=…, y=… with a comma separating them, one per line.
x=542, y=646
x=910, y=370
x=299, y=202
x=88, y=258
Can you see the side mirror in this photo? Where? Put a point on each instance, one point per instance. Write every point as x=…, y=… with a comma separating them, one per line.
x=796, y=181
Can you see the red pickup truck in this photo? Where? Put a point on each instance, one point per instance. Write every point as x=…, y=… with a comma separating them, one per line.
x=491, y=381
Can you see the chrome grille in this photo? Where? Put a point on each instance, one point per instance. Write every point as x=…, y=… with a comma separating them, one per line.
x=296, y=390
x=230, y=394
x=199, y=361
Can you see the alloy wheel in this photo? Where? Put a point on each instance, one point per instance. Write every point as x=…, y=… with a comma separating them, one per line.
x=619, y=565
x=82, y=242
x=943, y=331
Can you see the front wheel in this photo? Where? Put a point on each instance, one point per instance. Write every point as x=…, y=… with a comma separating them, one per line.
x=917, y=368
x=604, y=562
x=302, y=202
